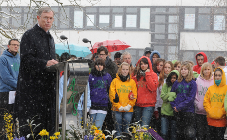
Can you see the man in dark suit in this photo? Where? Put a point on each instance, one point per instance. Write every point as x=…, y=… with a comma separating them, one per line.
x=35, y=95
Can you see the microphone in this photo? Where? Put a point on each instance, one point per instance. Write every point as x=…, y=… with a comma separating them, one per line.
x=85, y=40
x=63, y=37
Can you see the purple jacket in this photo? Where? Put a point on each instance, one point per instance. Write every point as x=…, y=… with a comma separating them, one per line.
x=99, y=91
x=185, y=95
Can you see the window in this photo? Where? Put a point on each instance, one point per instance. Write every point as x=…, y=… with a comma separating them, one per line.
x=117, y=18
x=219, y=19
x=204, y=19
x=160, y=26
x=78, y=18
x=145, y=18
x=64, y=18
x=91, y=18
x=189, y=18
x=5, y=21
x=16, y=18
x=131, y=18
x=173, y=27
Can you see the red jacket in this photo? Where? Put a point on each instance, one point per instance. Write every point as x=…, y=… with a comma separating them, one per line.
x=146, y=90
x=197, y=68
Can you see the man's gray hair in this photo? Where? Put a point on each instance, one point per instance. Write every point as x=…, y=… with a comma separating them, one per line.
x=44, y=10
x=126, y=53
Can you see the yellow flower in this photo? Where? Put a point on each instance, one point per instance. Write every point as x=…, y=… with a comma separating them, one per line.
x=93, y=127
x=96, y=132
x=52, y=137
x=44, y=133
x=57, y=133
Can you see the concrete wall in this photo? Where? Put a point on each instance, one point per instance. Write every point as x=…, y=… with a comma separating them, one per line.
x=135, y=39
x=203, y=41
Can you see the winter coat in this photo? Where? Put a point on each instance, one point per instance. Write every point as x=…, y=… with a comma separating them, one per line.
x=36, y=91
x=146, y=90
x=166, y=108
x=214, y=103
x=111, y=67
x=151, y=56
x=197, y=68
x=122, y=89
x=159, y=101
x=185, y=95
x=99, y=88
x=9, y=70
x=202, y=87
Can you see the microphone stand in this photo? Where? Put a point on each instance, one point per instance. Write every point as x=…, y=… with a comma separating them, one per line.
x=68, y=48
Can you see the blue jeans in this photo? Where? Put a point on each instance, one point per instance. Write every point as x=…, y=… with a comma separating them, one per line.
x=143, y=114
x=168, y=123
x=98, y=119
x=122, y=120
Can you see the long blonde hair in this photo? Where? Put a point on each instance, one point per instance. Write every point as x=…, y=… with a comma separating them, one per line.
x=204, y=66
x=120, y=68
x=190, y=73
x=162, y=73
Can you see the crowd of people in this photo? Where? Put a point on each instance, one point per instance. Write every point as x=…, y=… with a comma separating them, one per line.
x=179, y=100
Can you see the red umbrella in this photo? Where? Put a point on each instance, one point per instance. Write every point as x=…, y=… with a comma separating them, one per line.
x=111, y=45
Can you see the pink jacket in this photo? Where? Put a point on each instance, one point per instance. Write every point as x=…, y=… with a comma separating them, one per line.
x=202, y=87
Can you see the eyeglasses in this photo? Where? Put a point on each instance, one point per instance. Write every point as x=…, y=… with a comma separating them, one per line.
x=15, y=45
x=102, y=54
x=48, y=18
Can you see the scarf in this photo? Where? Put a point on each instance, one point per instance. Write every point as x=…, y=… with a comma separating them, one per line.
x=142, y=72
x=124, y=78
x=97, y=73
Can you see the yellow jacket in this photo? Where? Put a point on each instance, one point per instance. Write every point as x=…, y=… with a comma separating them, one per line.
x=214, y=103
x=122, y=89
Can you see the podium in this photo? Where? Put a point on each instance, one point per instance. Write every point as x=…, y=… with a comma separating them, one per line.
x=79, y=72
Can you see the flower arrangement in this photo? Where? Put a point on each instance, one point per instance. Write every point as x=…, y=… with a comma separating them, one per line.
x=140, y=132
x=96, y=134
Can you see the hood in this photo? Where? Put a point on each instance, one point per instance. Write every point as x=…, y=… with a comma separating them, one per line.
x=154, y=52
x=175, y=71
x=223, y=80
x=149, y=62
x=147, y=49
x=204, y=55
x=174, y=61
x=9, y=54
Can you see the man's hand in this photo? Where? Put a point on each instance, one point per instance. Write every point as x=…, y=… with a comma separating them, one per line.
x=51, y=62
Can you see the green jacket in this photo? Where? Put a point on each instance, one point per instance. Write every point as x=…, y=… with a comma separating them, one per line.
x=167, y=96
x=195, y=74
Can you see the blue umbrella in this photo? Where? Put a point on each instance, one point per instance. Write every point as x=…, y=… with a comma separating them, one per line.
x=77, y=50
